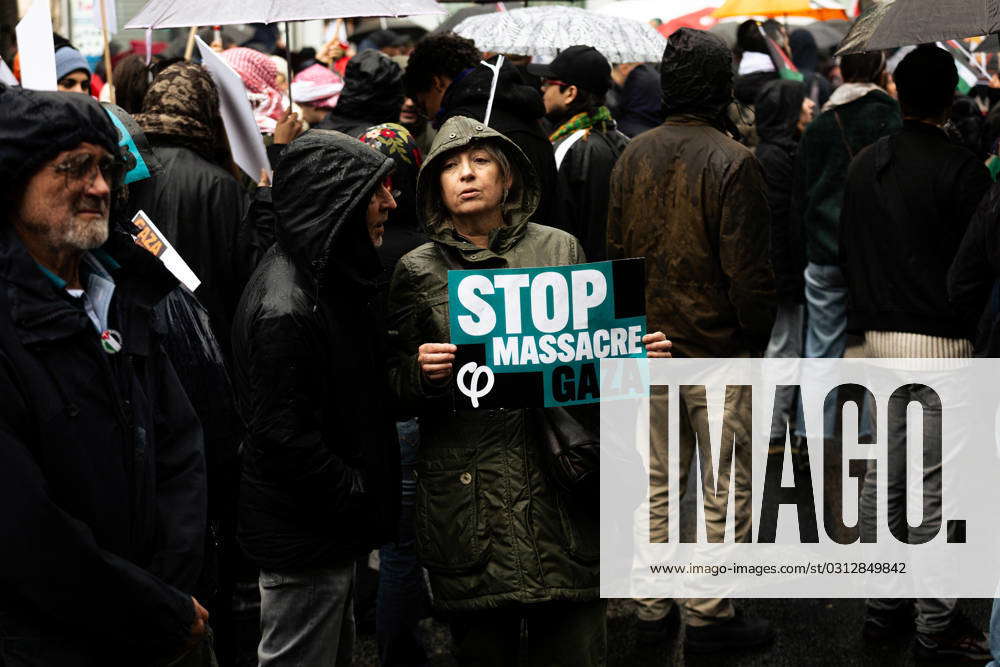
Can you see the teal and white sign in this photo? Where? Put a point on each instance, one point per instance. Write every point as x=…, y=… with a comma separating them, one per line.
x=535, y=337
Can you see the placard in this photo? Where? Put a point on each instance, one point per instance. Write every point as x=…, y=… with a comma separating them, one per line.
x=535, y=337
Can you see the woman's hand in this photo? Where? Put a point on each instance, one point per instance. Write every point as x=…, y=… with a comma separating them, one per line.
x=657, y=345
x=288, y=127
x=435, y=361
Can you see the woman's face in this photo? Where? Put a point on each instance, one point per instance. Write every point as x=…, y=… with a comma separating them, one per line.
x=472, y=183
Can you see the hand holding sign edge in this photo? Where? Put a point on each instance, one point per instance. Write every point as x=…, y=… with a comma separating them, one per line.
x=657, y=345
x=435, y=360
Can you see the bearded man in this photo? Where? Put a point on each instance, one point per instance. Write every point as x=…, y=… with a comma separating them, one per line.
x=102, y=474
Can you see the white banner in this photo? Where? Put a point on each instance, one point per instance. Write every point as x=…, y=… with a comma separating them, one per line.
x=36, y=48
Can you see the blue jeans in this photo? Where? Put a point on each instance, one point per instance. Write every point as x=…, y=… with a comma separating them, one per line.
x=307, y=618
x=786, y=343
x=826, y=328
x=401, y=588
x=826, y=299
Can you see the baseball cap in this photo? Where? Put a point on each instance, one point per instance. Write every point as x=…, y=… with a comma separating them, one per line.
x=581, y=66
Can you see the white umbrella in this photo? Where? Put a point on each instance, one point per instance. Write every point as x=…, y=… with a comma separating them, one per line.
x=545, y=31
x=186, y=13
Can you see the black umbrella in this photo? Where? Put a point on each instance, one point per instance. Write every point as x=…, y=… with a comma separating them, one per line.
x=828, y=34
x=892, y=23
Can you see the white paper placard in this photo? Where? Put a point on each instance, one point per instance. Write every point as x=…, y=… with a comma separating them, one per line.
x=245, y=140
x=156, y=243
x=36, y=48
x=6, y=76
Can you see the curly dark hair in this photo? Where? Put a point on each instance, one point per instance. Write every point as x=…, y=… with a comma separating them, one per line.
x=445, y=55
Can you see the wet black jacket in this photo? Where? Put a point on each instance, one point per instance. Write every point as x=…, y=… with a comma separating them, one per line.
x=693, y=202
x=102, y=476
x=584, y=187
x=198, y=206
x=974, y=277
x=907, y=205
x=321, y=460
x=516, y=113
x=777, y=115
x=372, y=95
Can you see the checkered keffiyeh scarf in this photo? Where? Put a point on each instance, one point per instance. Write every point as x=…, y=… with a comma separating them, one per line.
x=583, y=121
x=260, y=76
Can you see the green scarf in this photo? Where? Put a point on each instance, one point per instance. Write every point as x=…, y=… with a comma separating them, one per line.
x=583, y=121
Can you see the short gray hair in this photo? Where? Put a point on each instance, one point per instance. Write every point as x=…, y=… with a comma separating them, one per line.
x=507, y=171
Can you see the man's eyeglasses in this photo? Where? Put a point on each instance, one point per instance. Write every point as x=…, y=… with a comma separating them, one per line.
x=81, y=170
x=554, y=82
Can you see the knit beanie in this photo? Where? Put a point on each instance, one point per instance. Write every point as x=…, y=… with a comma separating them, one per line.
x=69, y=60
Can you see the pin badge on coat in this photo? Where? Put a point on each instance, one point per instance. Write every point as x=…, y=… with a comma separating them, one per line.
x=111, y=341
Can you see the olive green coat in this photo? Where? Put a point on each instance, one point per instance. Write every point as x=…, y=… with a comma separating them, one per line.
x=491, y=529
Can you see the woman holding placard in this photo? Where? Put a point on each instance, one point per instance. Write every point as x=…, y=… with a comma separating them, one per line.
x=502, y=544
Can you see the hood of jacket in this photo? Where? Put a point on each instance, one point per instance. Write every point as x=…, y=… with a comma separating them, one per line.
x=805, y=53
x=777, y=109
x=522, y=200
x=512, y=95
x=696, y=74
x=320, y=196
x=373, y=89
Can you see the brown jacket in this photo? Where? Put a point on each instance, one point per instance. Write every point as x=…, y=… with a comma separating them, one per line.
x=693, y=202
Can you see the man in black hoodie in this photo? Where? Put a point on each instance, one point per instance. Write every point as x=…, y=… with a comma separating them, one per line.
x=783, y=111
x=321, y=461
x=445, y=78
x=372, y=94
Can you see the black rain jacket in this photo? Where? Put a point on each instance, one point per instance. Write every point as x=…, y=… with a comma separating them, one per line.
x=199, y=207
x=778, y=108
x=372, y=95
x=102, y=475
x=907, y=205
x=974, y=278
x=517, y=110
x=321, y=461
x=584, y=187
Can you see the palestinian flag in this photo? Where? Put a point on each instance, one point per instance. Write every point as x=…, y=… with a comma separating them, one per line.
x=782, y=63
x=967, y=78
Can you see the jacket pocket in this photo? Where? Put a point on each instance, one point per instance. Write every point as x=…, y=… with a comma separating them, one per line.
x=451, y=535
x=580, y=530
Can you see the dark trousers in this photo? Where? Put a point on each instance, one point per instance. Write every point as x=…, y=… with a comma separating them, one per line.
x=402, y=593
x=543, y=635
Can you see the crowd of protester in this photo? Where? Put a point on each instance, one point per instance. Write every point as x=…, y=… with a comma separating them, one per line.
x=191, y=477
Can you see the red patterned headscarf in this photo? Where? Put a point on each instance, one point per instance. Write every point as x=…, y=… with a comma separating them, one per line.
x=260, y=76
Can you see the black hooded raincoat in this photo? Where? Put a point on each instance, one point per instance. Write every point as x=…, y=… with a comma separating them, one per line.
x=321, y=460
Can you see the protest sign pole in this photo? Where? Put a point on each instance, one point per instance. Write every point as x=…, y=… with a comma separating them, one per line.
x=108, y=74
x=288, y=61
x=493, y=86
x=189, y=49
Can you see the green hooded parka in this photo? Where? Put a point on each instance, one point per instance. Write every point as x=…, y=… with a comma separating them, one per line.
x=492, y=530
